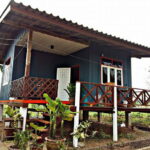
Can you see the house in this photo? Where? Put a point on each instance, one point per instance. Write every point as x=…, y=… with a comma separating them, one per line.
x=43, y=53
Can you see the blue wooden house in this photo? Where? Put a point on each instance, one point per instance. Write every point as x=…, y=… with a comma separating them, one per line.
x=44, y=53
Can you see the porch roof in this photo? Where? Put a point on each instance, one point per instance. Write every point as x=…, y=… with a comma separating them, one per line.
x=17, y=17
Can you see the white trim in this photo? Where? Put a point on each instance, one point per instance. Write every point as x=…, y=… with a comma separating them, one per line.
x=115, y=122
x=108, y=74
x=76, y=118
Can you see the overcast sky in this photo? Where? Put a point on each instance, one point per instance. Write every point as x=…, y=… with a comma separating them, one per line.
x=128, y=19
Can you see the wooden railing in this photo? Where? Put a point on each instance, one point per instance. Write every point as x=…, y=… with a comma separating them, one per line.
x=33, y=87
x=93, y=94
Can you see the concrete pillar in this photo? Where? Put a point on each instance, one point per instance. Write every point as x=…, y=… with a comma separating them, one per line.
x=23, y=112
x=77, y=105
x=115, y=115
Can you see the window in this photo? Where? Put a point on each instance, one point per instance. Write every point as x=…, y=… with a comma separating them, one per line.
x=111, y=71
x=6, y=72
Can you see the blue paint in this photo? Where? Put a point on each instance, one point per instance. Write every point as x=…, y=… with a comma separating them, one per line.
x=45, y=64
x=10, y=54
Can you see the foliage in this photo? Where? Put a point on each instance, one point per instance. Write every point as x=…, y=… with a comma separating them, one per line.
x=102, y=135
x=21, y=139
x=1, y=67
x=129, y=136
x=14, y=114
x=62, y=145
x=35, y=144
x=71, y=90
x=81, y=131
x=56, y=109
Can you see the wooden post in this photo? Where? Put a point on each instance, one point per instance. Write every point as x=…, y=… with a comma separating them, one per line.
x=99, y=116
x=115, y=124
x=77, y=105
x=28, y=53
x=85, y=115
x=1, y=112
x=127, y=119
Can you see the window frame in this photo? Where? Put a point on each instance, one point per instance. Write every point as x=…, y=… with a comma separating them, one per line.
x=108, y=71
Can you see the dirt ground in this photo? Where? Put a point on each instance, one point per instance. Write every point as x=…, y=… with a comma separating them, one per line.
x=96, y=143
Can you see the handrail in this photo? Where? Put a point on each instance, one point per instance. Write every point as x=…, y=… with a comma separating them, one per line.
x=96, y=93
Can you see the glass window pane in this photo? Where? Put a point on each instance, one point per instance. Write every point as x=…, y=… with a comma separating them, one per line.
x=112, y=75
x=105, y=76
x=119, y=81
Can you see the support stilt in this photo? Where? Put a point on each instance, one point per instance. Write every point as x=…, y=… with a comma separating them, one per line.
x=115, y=124
x=23, y=112
x=127, y=119
x=76, y=118
x=98, y=116
x=1, y=112
x=85, y=115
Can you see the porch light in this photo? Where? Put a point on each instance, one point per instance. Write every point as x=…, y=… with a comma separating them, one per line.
x=51, y=46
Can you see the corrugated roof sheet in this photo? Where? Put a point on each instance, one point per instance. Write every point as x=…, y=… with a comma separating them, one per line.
x=75, y=24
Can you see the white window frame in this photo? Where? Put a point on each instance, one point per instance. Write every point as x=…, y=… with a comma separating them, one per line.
x=108, y=73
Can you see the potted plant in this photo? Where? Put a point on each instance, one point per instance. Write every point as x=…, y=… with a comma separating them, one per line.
x=81, y=132
x=21, y=139
x=56, y=109
x=13, y=118
x=35, y=145
x=71, y=92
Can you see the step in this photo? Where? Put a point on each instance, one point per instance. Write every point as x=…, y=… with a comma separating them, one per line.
x=39, y=120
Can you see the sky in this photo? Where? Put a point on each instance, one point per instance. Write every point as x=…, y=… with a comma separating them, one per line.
x=128, y=19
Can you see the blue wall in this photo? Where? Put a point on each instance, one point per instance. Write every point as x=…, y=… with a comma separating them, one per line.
x=89, y=60
x=4, y=95
x=44, y=64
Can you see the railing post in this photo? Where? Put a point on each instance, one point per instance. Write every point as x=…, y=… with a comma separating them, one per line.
x=77, y=105
x=115, y=124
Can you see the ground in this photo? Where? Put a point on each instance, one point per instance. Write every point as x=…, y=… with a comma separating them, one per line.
x=131, y=138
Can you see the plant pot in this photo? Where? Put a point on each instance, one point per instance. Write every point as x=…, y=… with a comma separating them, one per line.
x=71, y=100
x=13, y=147
x=53, y=144
x=9, y=132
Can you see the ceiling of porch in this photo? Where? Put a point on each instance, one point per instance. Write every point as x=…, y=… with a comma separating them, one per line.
x=47, y=43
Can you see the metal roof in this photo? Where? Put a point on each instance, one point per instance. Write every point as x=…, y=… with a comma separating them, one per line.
x=17, y=17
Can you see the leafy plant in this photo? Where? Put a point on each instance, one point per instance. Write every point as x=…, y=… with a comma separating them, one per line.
x=70, y=90
x=35, y=144
x=56, y=109
x=102, y=135
x=81, y=131
x=21, y=139
x=14, y=114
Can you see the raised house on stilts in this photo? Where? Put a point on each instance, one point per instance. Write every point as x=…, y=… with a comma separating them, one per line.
x=42, y=53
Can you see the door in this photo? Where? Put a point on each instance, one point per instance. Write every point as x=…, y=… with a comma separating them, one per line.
x=63, y=77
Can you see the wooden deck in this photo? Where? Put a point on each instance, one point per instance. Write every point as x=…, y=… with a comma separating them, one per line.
x=110, y=109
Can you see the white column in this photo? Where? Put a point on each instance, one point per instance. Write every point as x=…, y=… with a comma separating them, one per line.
x=1, y=112
x=23, y=112
x=115, y=124
x=77, y=105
